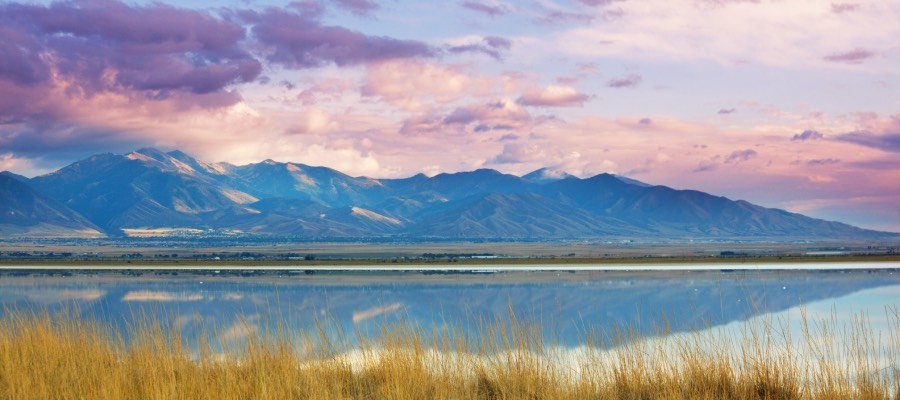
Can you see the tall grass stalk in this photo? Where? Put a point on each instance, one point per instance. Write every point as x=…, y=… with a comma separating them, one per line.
x=67, y=356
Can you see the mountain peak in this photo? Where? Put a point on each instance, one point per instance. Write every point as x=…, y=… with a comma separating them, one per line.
x=149, y=188
x=151, y=152
x=173, y=160
x=15, y=176
x=180, y=155
x=546, y=175
x=632, y=181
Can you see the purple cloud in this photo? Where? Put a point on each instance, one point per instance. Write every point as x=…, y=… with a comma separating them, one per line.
x=497, y=42
x=491, y=10
x=595, y=3
x=50, y=143
x=840, y=8
x=740, y=156
x=515, y=153
x=462, y=115
x=495, y=116
x=855, y=56
x=722, y=3
x=105, y=45
x=554, y=96
x=553, y=16
x=358, y=7
x=887, y=142
x=706, y=166
x=646, y=121
x=491, y=47
x=629, y=81
x=824, y=161
x=807, y=135
x=299, y=41
x=726, y=111
x=20, y=53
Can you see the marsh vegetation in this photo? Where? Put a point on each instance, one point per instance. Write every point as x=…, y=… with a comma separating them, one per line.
x=63, y=355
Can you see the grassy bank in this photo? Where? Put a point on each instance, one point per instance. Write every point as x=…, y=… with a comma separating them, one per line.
x=63, y=356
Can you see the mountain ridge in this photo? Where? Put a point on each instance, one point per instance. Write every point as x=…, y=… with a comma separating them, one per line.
x=149, y=189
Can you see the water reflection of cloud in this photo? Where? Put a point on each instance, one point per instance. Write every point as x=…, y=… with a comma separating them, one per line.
x=153, y=295
x=359, y=316
x=240, y=329
x=146, y=295
x=50, y=296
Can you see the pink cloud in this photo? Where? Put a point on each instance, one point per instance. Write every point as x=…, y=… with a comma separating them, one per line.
x=595, y=3
x=329, y=90
x=515, y=153
x=722, y=3
x=553, y=96
x=417, y=85
x=501, y=115
x=421, y=124
x=855, y=56
x=840, y=8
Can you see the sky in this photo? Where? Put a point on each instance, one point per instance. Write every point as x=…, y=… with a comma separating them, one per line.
x=791, y=104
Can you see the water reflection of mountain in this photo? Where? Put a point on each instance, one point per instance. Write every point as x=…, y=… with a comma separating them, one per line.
x=568, y=304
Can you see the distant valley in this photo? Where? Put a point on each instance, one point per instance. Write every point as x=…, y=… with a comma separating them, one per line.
x=149, y=193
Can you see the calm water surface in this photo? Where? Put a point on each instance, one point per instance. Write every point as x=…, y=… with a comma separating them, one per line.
x=565, y=303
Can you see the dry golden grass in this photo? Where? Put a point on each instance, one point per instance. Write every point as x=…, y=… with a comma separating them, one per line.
x=64, y=356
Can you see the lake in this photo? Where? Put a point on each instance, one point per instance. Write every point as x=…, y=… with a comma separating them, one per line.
x=565, y=301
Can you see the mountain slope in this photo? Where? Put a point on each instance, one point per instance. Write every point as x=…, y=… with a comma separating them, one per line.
x=145, y=188
x=270, y=179
x=149, y=188
x=667, y=212
x=519, y=215
x=24, y=212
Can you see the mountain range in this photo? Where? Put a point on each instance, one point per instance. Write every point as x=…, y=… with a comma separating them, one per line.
x=149, y=192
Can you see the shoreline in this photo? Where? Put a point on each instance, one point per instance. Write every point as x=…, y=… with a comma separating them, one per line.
x=481, y=268
x=539, y=263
